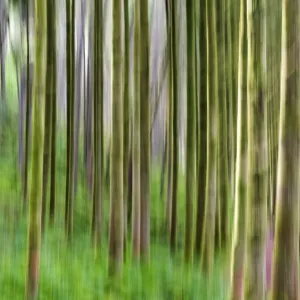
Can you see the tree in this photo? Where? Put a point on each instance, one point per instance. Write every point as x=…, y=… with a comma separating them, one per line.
x=51, y=52
x=98, y=123
x=238, y=239
x=37, y=151
x=136, y=152
x=145, y=132
x=208, y=243
x=126, y=118
x=174, y=122
x=285, y=278
x=256, y=208
x=191, y=129
x=202, y=143
x=116, y=228
x=53, y=121
x=70, y=17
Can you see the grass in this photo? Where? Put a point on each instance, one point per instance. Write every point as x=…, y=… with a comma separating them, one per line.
x=71, y=272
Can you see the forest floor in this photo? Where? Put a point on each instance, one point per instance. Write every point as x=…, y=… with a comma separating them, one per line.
x=71, y=272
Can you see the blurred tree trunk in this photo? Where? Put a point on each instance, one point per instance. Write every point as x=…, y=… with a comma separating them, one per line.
x=48, y=107
x=53, y=119
x=116, y=234
x=28, y=110
x=285, y=279
x=37, y=152
x=239, y=225
x=169, y=118
x=175, y=143
x=222, y=222
x=88, y=143
x=145, y=132
x=256, y=211
x=126, y=118
x=190, y=129
x=207, y=258
x=202, y=144
x=71, y=103
x=98, y=124
x=136, y=153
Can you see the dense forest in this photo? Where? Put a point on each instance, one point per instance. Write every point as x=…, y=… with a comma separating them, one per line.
x=150, y=149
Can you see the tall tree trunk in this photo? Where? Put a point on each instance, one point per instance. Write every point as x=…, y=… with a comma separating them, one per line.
x=71, y=100
x=98, y=123
x=256, y=211
x=285, y=279
x=126, y=118
x=208, y=245
x=37, y=152
x=53, y=119
x=223, y=182
x=28, y=109
x=48, y=110
x=238, y=239
x=190, y=129
x=169, y=116
x=145, y=132
x=136, y=152
x=202, y=145
x=116, y=234
x=174, y=186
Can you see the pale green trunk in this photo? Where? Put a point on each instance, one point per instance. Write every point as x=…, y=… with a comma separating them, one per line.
x=34, y=228
x=285, y=279
x=116, y=229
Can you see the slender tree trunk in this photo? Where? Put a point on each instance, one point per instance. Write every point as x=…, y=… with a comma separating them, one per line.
x=53, y=120
x=169, y=121
x=98, y=122
x=28, y=109
x=126, y=118
x=145, y=132
x=116, y=234
x=285, y=279
x=136, y=153
x=212, y=131
x=190, y=130
x=48, y=110
x=37, y=152
x=256, y=215
x=69, y=96
x=238, y=239
x=174, y=186
x=202, y=145
x=71, y=119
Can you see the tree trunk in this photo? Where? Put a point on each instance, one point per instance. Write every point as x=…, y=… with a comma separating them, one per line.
x=98, y=123
x=116, y=234
x=207, y=258
x=285, y=279
x=174, y=186
x=37, y=152
x=256, y=211
x=136, y=152
x=48, y=109
x=238, y=239
x=190, y=130
x=202, y=145
x=145, y=132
